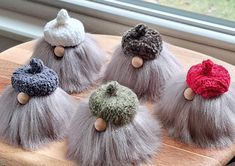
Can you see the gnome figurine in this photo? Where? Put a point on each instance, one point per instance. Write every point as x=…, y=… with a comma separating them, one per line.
x=199, y=107
x=73, y=54
x=34, y=110
x=142, y=62
x=112, y=129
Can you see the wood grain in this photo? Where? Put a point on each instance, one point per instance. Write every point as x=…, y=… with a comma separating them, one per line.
x=172, y=152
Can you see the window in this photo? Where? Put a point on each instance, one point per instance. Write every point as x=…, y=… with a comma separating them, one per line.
x=189, y=12
x=180, y=25
x=224, y=9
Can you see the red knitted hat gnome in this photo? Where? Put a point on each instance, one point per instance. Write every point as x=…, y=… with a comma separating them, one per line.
x=208, y=79
x=198, y=107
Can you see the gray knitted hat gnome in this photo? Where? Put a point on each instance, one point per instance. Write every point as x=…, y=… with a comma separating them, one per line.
x=112, y=129
x=73, y=54
x=142, y=62
x=199, y=107
x=34, y=110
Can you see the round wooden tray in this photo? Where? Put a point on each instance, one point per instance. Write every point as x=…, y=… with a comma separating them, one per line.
x=172, y=152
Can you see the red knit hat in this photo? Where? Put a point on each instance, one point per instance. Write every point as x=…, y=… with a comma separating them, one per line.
x=208, y=79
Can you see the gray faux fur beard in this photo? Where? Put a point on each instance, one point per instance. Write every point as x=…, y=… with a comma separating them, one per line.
x=41, y=120
x=207, y=123
x=148, y=81
x=80, y=66
x=133, y=144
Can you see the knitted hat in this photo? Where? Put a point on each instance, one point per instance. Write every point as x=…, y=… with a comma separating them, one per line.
x=114, y=103
x=35, y=79
x=208, y=79
x=143, y=42
x=64, y=31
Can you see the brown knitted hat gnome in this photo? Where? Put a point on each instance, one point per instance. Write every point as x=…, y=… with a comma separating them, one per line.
x=34, y=110
x=73, y=54
x=112, y=129
x=202, y=106
x=142, y=62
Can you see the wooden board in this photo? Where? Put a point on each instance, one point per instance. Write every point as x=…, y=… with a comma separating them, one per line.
x=172, y=152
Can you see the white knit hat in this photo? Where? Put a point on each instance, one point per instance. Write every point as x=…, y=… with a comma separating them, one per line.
x=64, y=30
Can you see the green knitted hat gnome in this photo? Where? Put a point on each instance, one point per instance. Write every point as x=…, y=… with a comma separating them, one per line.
x=114, y=103
x=115, y=129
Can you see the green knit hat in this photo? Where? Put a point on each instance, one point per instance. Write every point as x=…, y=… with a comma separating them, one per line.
x=114, y=103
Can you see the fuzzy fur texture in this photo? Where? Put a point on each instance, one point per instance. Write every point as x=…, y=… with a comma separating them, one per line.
x=133, y=144
x=149, y=80
x=80, y=66
x=205, y=122
x=41, y=120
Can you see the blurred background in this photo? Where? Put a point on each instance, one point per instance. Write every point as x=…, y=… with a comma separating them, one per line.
x=206, y=26
x=224, y=9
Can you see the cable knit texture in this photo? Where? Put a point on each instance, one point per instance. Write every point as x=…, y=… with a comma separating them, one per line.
x=114, y=103
x=35, y=79
x=208, y=79
x=64, y=31
x=142, y=41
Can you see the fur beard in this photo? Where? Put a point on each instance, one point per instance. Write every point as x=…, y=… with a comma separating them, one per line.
x=80, y=66
x=206, y=123
x=132, y=144
x=147, y=82
x=41, y=120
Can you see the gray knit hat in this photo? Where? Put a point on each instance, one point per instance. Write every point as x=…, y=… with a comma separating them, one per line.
x=143, y=42
x=35, y=79
x=114, y=103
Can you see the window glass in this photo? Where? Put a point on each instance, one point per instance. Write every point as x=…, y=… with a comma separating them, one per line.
x=224, y=9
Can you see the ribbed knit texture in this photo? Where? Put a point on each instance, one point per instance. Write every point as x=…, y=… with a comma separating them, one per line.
x=64, y=30
x=208, y=79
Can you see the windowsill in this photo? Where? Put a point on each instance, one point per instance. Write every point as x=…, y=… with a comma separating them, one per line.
x=19, y=27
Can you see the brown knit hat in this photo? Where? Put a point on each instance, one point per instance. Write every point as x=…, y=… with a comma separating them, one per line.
x=143, y=42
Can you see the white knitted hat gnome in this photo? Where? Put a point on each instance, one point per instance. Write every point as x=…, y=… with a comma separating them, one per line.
x=64, y=30
x=71, y=52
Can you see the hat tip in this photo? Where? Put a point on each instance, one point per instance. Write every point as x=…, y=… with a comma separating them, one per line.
x=141, y=29
x=112, y=88
x=36, y=66
x=62, y=17
x=207, y=66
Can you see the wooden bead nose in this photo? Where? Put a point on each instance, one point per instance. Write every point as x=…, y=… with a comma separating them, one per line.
x=100, y=125
x=137, y=62
x=23, y=98
x=59, y=51
x=189, y=94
